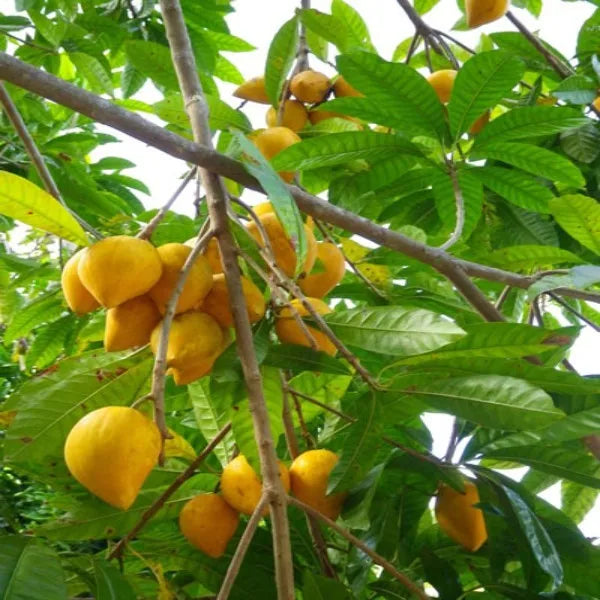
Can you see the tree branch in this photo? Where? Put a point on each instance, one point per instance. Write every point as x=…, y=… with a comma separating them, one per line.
x=426, y=32
x=376, y=558
x=460, y=208
x=117, y=551
x=187, y=74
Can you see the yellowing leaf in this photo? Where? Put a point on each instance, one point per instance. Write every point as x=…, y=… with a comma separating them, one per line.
x=179, y=447
x=26, y=202
x=377, y=274
x=6, y=417
x=353, y=250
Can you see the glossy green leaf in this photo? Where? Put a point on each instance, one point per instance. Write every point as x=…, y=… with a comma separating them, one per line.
x=26, y=202
x=154, y=61
x=581, y=143
x=579, y=216
x=577, y=500
x=327, y=26
x=576, y=89
x=357, y=32
x=110, y=583
x=317, y=587
x=299, y=358
x=93, y=71
x=280, y=57
x=527, y=258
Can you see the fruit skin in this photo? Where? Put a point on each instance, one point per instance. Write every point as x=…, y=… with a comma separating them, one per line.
x=241, y=486
x=481, y=122
x=212, y=254
x=197, y=285
x=79, y=300
x=309, y=474
x=342, y=88
x=480, y=12
x=216, y=304
x=310, y=86
x=442, y=82
x=320, y=284
x=263, y=208
x=119, y=268
x=130, y=324
x=253, y=90
x=457, y=517
x=290, y=332
x=595, y=103
x=283, y=250
x=111, y=451
x=272, y=141
x=294, y=116
x=208, y=523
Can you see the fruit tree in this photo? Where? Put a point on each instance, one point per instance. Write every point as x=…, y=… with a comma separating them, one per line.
x=237, y=398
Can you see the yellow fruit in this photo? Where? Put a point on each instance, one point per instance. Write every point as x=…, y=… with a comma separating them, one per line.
x=208, y=523
x=478, y=125
x=442, y=83
x=79, y=300
x=197, y=285
x=333, y=267
x=342, y=88
x=595, y=104
x=309, y=475
x=310, y=86
x=130, y=324
x=285, y=255
x=212, y=254
x=194, y=339
x=241, y=486
x=253, y=90
x=272, y=141
x=216, y=304
x=457, y=517
x=263, y=208
x=294, y=115
x=480, y=12
x=119, y=268
x=111, y=451
x=289, y=331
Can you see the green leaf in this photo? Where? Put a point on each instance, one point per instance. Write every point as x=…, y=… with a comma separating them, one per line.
x=280, y=57
x=516, y=187
x=535, y=160
x=41, y=310
x=52, y=29
x=110, y=583
x=29, y=571
x=154, y=61
x=359, y=450
x=396, y=89
x=527, y=258
x=393, y=329
x=317, y=587
x=327, y=26
x=424, y=6
x=225, y=70
x=212, y=412
x=341, y=148
x=299, y=358
x=26, y=202
x=579, y=216
x=529, y=122
x=480, y=84
x=576, y=89
x=581, y=143
x=577, y=500
x=93, y=71
x=490, y=400
x=317, y=44
x=358, y=34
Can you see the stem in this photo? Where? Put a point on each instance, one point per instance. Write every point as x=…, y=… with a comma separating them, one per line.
x=414, y=44
x=117, y=551
x=579, y=315
x=147, y=232
x=376, y=558
x=242, y=547
x=422, y=28
x=302, y=64
x=460, y=208
x=187, y=74
x=14, y=116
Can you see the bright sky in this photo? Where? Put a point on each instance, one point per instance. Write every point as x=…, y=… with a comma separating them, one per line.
x=257, y=21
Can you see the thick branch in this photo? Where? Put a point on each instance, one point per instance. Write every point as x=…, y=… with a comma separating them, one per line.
x=185, y=67
x=426, y=32
x=117, y=551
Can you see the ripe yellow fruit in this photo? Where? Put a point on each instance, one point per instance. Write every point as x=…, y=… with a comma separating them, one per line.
x=290, y=332
x=478, y=125
x=119, y=268
x=309, y=475
x=310, y=86
x=208, y=523
x=442, y=82
x=211, y=253
x=111, y=451
x=253, y=90
x=272, y=141
x=480, y=12
x=595, y=103
x=283, y=250
x=263, y=208
x=294, y=115
x=216, y=304
x=342, y=88
x=457, y=517
x=197, y=285
x=130, y=324
x=241, y=486
x=79, y=300
x=333, y=264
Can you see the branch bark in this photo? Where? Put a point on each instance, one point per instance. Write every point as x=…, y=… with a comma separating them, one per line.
x=185, y=67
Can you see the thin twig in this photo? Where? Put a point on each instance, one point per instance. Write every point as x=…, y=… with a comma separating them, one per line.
x=376, y=558
x=146, y=233
x=460, y=208
x=117, y=551
x=421, y=27
x=573, y=310
x=302, y=64
x=28, y=43
x=36, y=157
x=414, y=44
x=503, y=296
x=452, y=443
x=242, y=547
